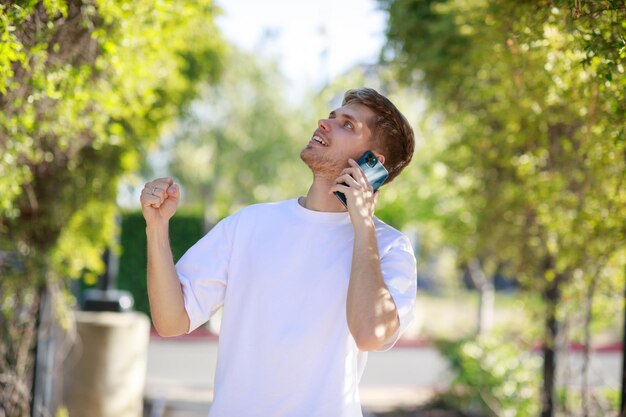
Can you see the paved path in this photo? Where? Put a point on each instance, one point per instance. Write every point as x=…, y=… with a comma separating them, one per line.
x=181, y=372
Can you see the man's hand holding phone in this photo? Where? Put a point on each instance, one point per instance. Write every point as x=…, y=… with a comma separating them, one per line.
x=357, y=187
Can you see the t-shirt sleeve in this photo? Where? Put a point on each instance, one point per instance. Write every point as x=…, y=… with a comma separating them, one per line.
x=398, y=267
x=203, y=273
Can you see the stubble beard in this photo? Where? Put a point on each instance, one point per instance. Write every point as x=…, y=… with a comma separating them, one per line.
x=320, y=165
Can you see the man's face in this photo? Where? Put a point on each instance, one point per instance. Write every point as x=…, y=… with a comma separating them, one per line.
x=343, y=135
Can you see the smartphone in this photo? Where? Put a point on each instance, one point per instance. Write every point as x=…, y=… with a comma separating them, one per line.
x=374, y=171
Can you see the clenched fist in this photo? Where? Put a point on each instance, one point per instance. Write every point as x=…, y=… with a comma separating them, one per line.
x=159, y=200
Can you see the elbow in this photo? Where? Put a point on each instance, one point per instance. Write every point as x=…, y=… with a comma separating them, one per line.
x=375, y=338
x=368, y=345
x=372, y=340
x=171, y=328
x=167, y=332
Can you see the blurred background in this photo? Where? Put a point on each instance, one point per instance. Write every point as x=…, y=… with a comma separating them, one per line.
x=515, y=200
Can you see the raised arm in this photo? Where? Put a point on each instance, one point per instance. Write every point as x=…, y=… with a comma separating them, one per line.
x=159, y=200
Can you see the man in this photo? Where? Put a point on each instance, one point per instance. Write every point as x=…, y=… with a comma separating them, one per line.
x=307, y=286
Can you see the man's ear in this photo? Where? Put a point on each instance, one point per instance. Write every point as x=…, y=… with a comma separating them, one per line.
x=380, y=157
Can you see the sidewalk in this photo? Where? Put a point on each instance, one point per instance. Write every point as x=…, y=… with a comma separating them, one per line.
x=181, y=371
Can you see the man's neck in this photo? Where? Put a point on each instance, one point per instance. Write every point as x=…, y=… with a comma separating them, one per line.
x=319, y=198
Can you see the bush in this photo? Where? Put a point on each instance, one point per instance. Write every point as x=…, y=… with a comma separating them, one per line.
x=493, y=377
x=185, y=230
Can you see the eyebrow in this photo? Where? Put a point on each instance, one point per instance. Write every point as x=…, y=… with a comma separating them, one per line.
x=346, y=115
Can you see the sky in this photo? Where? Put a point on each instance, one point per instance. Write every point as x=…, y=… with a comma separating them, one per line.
x=314, y=41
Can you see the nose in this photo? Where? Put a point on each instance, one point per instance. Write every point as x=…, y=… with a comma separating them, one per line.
x=324, y=124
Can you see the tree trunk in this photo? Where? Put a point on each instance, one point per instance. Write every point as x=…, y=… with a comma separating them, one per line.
x=551, y=297
x=485, y=297
x=623, y=395
x=587, y=345
x=17, y=338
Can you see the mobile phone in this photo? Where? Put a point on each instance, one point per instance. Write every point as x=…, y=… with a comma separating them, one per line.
x=374, y=171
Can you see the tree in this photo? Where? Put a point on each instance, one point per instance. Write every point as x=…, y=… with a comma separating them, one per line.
x=533, y=96
x=240, y=144
x=86, y=88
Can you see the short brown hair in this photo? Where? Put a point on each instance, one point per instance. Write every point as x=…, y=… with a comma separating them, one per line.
x=390, y=129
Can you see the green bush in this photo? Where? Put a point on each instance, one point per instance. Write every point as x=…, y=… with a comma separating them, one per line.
x=185, y=230
x=493, y=376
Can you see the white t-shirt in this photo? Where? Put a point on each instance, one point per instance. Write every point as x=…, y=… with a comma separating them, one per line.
x=281, y=272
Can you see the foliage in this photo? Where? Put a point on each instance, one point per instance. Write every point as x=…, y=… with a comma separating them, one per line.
x=240, y=143
x=185, y=230
x=86, y=94
x=242, y=134
x=85, y=88
x=492, y=377
x=535, y=144
x=532, y=102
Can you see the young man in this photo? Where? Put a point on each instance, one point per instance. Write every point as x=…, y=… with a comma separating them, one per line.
x=307, y=286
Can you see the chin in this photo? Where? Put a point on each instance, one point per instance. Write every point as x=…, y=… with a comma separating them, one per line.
x=305, y=154
x=307, y=157
x=319, y=165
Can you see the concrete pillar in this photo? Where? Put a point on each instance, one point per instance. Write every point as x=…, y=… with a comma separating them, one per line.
x=105, y=372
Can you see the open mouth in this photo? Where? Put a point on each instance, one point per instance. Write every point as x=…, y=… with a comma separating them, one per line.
x=319, y=140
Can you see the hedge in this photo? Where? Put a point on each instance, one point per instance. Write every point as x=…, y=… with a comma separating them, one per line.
x=185, y=230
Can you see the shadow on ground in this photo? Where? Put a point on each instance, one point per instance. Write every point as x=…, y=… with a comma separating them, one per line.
x=427, y=410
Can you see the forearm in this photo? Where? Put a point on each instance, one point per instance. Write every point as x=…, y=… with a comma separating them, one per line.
x=371, y=311
x=167, y=305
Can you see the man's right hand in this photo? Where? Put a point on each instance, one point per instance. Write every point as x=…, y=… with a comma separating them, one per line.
x=159, y=200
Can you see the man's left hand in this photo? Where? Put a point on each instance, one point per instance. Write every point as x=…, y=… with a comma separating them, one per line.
x=359, y=193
